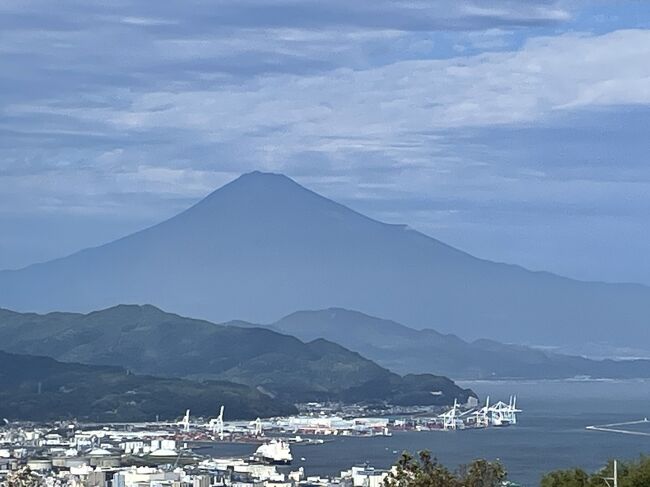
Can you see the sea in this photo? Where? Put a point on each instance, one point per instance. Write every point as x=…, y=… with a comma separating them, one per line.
x=551, y=432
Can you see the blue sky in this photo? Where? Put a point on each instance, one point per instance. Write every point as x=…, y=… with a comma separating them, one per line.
x=515, y=130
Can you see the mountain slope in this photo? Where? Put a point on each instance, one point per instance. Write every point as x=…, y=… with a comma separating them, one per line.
x=263, y=246
x=406, y=350
x=146, y=340
x=40, y=388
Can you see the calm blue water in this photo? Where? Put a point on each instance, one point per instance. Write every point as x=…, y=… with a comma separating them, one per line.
x=551, y=432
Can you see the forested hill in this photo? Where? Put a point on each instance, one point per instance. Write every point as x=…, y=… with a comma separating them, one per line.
x=40, y=388
x=147, y=340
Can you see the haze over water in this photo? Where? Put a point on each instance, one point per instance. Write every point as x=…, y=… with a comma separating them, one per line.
x=551, y=433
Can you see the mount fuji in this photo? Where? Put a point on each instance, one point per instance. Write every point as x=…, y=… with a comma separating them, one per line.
x=263, y=246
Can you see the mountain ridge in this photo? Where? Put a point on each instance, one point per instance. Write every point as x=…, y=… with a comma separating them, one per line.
x=149, y=341
x=263, y=246
x=407, y=350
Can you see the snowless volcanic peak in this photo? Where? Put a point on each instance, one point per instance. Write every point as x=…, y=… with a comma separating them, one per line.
x=263, y=246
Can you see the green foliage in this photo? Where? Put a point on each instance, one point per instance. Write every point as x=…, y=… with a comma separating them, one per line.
x=634, y=474
x=630, y=474
x=426, y=471
x=40, y=388
x=146, y=340
x=481, y=473
x=574, y=477
x=23, y=477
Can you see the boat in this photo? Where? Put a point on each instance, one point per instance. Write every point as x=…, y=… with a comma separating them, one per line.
x=274, y=452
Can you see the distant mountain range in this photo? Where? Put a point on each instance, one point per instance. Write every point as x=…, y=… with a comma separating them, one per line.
x=146, y=340
x=42, y=389
x=406, y=350
x=263, y=246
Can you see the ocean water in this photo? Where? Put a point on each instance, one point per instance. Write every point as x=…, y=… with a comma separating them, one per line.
x=551, y=432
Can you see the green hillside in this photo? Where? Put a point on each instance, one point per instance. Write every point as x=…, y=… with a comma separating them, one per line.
x=146, y=340
x=40, y=388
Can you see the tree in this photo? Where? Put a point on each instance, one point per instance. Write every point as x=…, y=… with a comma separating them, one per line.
x=575, y=477
x=481, y=473
x=23, y=477
x=426, y=471
x=630, y=474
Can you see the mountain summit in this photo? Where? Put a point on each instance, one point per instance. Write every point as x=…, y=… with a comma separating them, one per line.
x=263, y=246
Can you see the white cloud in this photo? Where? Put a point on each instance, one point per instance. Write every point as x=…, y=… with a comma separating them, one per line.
x=382, y=106
x=390, y=119
x=416, y=111
x=146, y=21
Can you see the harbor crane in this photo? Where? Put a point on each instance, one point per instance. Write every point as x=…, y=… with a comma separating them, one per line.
x=502, y=414
x=217, y=424
x=512, y=410
x=498, y=414
x=257, y=427
x=450, y=418
x=185, y=422
x=482, y=416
